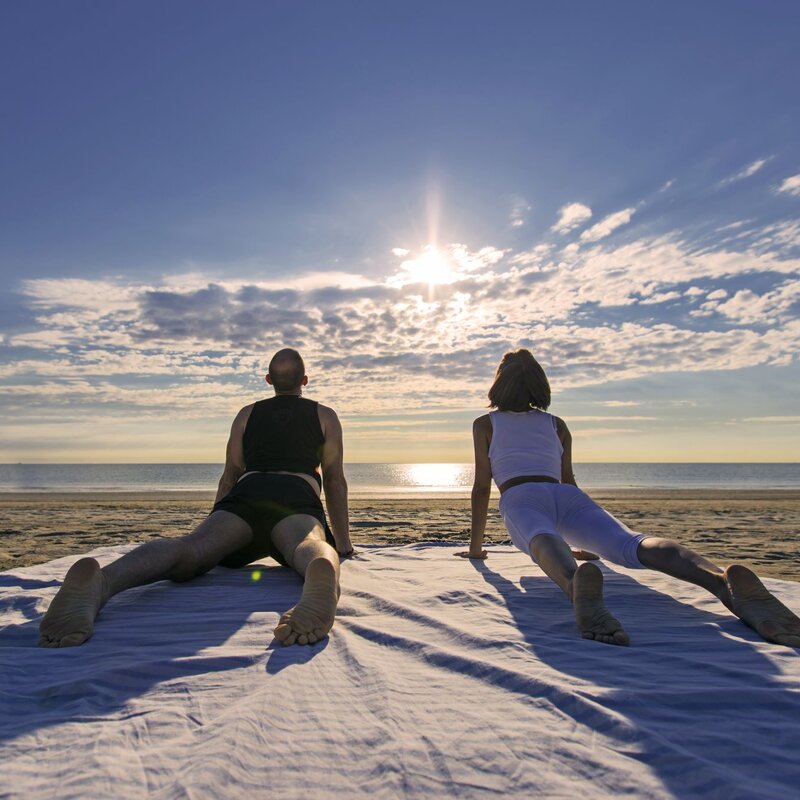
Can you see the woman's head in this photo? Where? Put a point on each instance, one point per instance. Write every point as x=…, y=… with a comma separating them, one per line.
x=519, y=384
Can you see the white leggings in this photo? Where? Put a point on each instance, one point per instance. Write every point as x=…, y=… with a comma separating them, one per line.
x=561, y=509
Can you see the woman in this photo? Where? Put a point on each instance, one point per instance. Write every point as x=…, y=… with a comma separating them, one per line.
x=528, y=452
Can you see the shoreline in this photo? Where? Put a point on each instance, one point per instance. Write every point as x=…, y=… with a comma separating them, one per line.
x=758, y=528
x=201, y=495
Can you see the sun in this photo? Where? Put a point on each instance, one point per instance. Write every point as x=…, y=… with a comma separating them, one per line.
x=431, y=267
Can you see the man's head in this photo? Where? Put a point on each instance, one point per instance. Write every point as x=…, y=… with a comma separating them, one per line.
x=287, y=372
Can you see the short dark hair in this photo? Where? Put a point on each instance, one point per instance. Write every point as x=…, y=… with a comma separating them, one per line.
x=287, y=370
x=519, y=383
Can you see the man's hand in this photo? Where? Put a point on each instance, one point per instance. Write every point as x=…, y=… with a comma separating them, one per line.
x=481, y=554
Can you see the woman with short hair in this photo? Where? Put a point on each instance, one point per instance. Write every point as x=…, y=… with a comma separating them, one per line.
x=528, y=453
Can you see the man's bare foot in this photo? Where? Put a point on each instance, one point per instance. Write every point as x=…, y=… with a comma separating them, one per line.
x=69, y=620
x=757, y=607
x=312, y=618
x=593, y=618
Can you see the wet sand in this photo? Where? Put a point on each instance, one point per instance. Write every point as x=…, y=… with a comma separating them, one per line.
x=757, y=528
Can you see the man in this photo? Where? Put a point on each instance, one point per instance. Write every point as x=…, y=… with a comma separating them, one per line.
x=268, y=503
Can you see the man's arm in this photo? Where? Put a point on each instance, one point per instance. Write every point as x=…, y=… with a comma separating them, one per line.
x=333, y=480
x=481, y=487
x=234, y=454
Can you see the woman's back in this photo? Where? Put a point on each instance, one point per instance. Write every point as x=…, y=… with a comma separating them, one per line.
x=524, y=443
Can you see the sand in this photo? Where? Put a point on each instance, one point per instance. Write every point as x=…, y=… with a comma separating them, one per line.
x=757, y=528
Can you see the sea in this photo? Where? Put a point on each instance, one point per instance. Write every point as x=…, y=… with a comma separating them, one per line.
x=393, y=480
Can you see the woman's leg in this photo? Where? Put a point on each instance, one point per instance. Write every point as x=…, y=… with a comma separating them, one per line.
x=585, y=524
x=582, y=584
x=674, y=559
x=555, y=558
x=737, y=587
x=529, y=512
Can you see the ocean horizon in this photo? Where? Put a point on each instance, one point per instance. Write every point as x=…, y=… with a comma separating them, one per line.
x=393, y=480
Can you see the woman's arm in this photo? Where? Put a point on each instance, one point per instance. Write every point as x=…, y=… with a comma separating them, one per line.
x=481, y=487
x=568, y=476
x=565, y=437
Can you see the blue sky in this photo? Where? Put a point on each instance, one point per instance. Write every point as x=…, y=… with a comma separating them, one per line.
x=403, y=191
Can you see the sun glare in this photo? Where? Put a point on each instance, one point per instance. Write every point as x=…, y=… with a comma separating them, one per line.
x=431, y=267
x=438, y=476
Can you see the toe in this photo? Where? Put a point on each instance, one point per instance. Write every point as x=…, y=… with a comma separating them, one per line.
x=290, y=639
x=311, y=638
x=282, y=631
x=302, y=639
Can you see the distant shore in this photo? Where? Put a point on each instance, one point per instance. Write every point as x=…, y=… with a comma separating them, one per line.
x=760, y=528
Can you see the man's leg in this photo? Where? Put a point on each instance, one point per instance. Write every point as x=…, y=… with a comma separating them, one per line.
x=301, y=541
x=582, y=584
x=737, y=587
x=69, y=620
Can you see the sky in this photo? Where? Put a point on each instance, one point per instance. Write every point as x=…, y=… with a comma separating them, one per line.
x=403, y=192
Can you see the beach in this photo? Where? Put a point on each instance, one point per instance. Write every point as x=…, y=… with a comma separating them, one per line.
x=758, y=528
x=441, y=677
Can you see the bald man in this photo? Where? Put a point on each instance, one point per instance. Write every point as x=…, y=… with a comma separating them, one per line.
x=268, y=504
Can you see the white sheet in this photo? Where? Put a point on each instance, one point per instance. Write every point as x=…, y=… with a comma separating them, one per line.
x=440, y=678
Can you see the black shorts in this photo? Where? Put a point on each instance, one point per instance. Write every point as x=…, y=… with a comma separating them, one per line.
x=262, y=500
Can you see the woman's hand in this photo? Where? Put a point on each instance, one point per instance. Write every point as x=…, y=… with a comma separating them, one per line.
x=584, y=555
x=481, y=554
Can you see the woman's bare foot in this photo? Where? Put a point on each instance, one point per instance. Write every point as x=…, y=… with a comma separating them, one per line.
x=69, y=620
x=312, y=618
x=593, y=618
x=757, y=607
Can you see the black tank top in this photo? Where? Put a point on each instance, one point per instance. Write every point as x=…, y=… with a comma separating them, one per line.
x=284, y=434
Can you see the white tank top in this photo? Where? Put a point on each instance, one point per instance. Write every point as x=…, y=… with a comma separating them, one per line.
x=524, y=443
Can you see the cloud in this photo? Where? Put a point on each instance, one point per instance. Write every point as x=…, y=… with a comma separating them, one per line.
x=518, y=212
x=608, y=225
x=776, y=420
x=445, y=265
x=747, y=307
x=661, y=297
x=606, y=418
x=187, y=346
x=791, y=185
x=571, y=216
x=746, y=172
x=537, y=255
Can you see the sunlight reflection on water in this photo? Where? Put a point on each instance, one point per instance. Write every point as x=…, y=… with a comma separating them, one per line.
x=390, y=480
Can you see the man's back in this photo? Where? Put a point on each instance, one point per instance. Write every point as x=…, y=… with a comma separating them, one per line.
x=283, y=433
